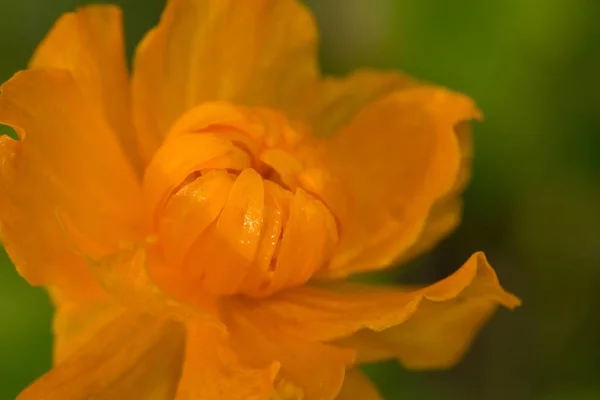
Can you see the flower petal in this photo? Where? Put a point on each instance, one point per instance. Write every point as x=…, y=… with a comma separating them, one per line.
x=338, y=100
x=446, y=314
x=306, y=242
x=358, y=386
x=446, y=212
x=212, y=370
x=134, y=356
x=66, y=161
x=190, y=211
x=221, y=256
x=89, y=43
x=395, y=160
x=438, y=333
x=309, y=370
x=255, y=52
x=435, y=337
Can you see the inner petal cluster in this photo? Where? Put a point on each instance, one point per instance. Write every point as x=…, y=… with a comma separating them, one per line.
x=232, y=199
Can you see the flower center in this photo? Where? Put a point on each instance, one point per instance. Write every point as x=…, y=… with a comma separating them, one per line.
x=235, y=200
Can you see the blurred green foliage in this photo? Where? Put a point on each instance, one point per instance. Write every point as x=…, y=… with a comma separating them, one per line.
x=533, y=205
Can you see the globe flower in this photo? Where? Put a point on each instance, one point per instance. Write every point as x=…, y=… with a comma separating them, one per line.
x=194, y=222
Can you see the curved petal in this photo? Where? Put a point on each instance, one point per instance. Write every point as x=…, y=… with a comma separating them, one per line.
x=338, y=100
x=189, y=212
x=358, y=386
x=255, y=52
x=221, y=256
x=89, y=43
x=213, y=371
x=309, y=370
x=446, y=212
x=132, y=357
x=444, y=316
x=66, y=161
x=395, y=160
x=435, y=337
x=443, y=218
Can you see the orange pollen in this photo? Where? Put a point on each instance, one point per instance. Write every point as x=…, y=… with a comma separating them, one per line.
x=235, y=202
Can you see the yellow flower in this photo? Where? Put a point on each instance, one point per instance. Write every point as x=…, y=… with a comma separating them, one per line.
x=193, y=224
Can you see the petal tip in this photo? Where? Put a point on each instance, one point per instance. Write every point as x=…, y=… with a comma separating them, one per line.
x=503, y=297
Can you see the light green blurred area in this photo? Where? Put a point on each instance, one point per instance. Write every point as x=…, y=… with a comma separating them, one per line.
x=533, y=67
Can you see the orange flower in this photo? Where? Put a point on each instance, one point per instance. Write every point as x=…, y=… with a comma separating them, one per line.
x=192, y=224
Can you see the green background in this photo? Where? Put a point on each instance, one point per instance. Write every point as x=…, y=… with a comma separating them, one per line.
x=533, y=206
